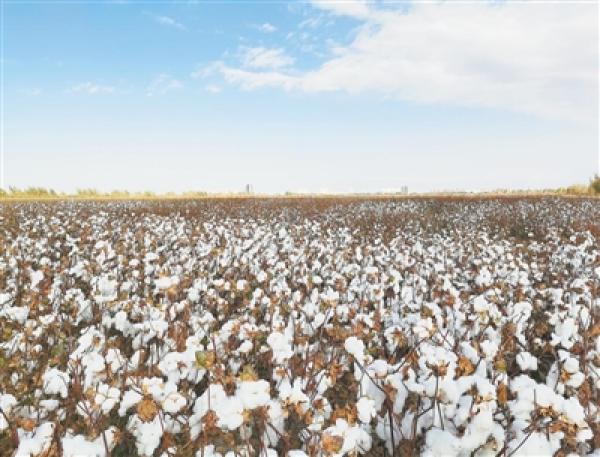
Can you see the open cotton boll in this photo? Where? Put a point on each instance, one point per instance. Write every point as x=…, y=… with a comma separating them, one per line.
x=356, y=348
x=489, y=349
x=165, y=282
x=173, y=403
x=526, y=361
x=297, y=453
x=107, y=397
x=33, y=443
x=16, y=314
x=56, y=382
x=281, y=346
x=79, y=445
x=147, y=434
x=366, y=409
x=535, y=445
x=355, y=439
x=293, y=394
x=150, y=257
x=130, y=398
x=7, y=402
x=245, y=347
x=253, y=393
x=107, y=290
x=440, y=443
x=228, y=409
x=563, y=333
x=35, y=277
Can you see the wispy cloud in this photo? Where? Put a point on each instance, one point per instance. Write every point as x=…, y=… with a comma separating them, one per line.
x=169, y=22
x=91, y=88
x=516, y=56
x=162, y=84
x=32, y=91
x=266, y=27
x=259, y=57
x=358, y=9
x=213, y=89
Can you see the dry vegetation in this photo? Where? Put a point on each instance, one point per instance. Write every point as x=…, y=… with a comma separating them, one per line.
x=300, y=327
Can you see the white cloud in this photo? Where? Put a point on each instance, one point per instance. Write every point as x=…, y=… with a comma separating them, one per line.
x=213, y=89
x=170, y=22
x=91, y=88
x=266, y=28
x=260, y=57
x=162, y=84
x=33, y=91
x=534, y=58
x=356, y=8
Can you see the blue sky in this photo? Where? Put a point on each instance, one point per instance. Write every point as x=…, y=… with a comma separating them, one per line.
x=316, y=96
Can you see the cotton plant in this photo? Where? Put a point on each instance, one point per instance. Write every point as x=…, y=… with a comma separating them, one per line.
x=220, y=328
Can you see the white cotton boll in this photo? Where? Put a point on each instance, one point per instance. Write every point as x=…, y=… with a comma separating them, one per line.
x=151, y=257
x=107, y=397
x=165, y=282
x=114, y=359
x=208, y=451
x=546, y=397
x=535, y=446
x=440, y=443
x=573, y=411
x=379, y=368
x=147, y=434
x=469, y=352
x=245, y=347
x=297, y=453
x=176, y=365
x=281, y=347
x=355, y=438
x=571, y=365
x=35, y=442
x=107, y=290
x=261, y=276
x=93, y=362
x=575, y=380
x=478, y=431
x=254, y=393
x=319, y=319
x=174, y=402
x=489, y=349
x=56, y=382
x=366, y=409
x=16, y=314
x=130, y=398
x=36, y=277
x=484, y=278
x=526, y=361
x=293, y=394
x=563, y=333
x=229, y=413
x=48, y=405
x=480, y=304
x=228, y=409
x=79, y=445
x=356, y=348
x=193, y=295
x=7, y=402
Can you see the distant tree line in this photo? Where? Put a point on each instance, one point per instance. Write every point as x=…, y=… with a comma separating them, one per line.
x=42, y=192
x=592, y=188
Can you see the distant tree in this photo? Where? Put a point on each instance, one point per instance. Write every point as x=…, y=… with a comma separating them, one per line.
x=595, y=184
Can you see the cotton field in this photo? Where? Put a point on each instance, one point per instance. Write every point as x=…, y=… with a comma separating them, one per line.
x=300, y=327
